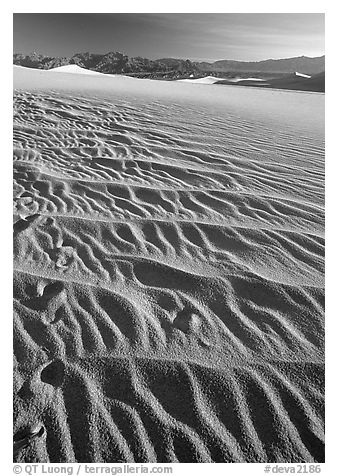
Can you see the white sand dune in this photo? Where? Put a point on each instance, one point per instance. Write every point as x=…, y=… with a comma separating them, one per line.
x=69, y=69
x=169, y=272
x=214, y=79
x=236, y=80
x=302, y=75
x=74, y=69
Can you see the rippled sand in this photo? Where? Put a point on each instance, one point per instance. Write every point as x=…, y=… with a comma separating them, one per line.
x=169, y=271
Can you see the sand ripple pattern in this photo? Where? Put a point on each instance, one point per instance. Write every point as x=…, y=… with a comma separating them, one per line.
x=168, y=285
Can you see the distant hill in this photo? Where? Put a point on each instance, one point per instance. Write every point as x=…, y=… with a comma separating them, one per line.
x=170, y=68
x=302, y=64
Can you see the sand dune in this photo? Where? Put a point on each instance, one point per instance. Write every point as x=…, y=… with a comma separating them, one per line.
x=214, y=79
x=204, y=80
x=74, y=69
x=169, y=272
x=302, y=75
x=236, y=80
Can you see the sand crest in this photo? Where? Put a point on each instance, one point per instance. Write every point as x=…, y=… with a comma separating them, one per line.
x=169, y=271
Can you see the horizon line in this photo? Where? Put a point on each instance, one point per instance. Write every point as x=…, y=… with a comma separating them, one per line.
x=174, y=57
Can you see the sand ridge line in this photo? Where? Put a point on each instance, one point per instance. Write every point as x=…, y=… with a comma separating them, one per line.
x=215, y=223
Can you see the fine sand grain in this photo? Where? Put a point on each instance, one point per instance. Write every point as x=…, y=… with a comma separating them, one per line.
x=169, y=271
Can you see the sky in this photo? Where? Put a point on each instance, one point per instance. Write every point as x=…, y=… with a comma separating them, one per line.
x=197, y=36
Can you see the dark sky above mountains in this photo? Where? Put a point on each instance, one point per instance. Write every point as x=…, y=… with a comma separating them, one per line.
x=207, y=36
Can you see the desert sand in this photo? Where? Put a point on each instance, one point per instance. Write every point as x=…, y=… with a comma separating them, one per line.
x=169, y=271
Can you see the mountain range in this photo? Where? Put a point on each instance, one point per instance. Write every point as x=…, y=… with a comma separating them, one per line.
x=119, y=63
x=303, y=64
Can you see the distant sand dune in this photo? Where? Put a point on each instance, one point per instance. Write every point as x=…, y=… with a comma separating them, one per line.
x=169, y=272
x=74, y=69
x=204, y=80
